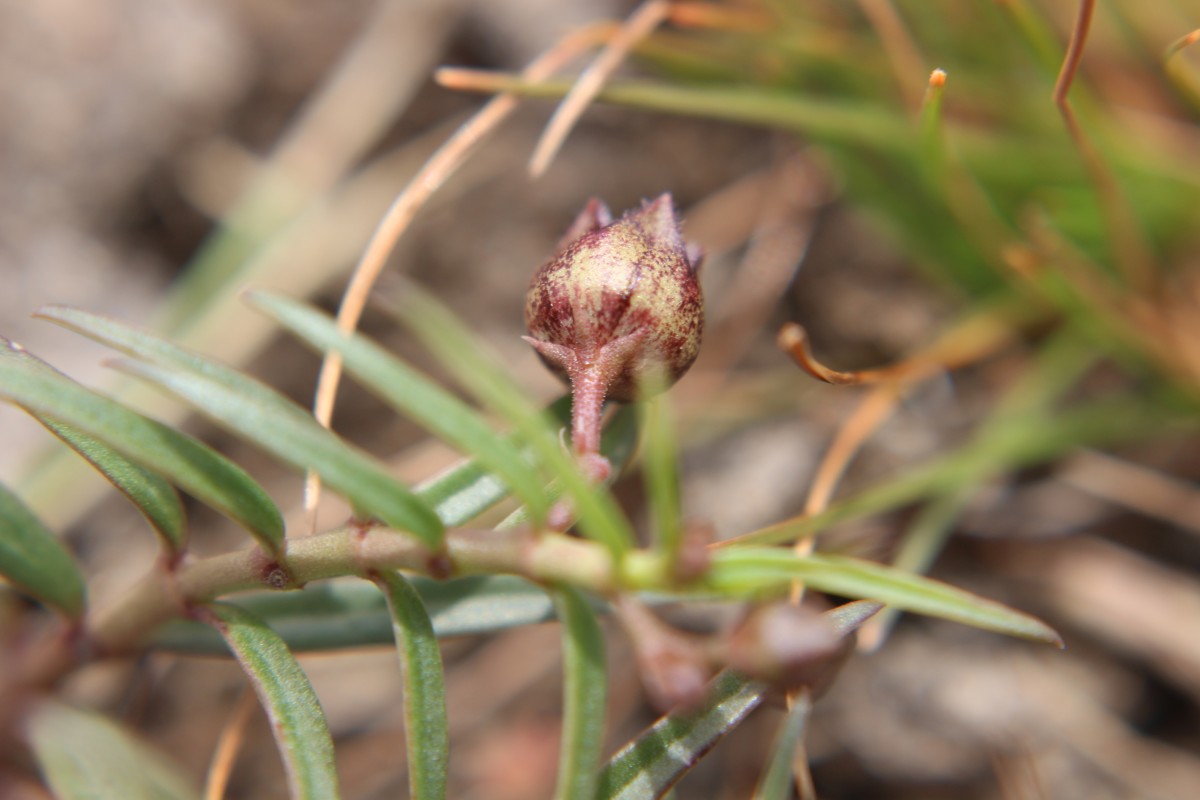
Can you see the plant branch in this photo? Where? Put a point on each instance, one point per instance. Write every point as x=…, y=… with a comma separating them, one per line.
x=355, y=550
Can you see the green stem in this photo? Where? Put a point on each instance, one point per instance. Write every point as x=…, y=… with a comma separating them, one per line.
x=354, y=550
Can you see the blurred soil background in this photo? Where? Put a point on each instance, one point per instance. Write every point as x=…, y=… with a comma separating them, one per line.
x=128, y=126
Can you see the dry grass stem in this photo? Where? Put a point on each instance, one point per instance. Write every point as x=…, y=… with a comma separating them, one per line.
x=640, y=24
x=229, y=745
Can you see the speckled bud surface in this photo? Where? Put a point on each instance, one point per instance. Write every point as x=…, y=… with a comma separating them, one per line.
x=628, y=286
x=617, y=306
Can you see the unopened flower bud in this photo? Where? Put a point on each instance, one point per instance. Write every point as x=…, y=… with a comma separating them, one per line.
x=616, y=310
x=789, y=647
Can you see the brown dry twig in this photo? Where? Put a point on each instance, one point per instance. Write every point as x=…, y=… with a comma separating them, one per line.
x=640, y=24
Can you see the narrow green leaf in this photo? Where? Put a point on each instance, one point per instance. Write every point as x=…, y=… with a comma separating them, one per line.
x=923, y=541
x=742, y=570
x=618, y=441
x=465, y=358
x=195, y=468
x=296, y=438
x=86, y=756
x=153, y=495
x=301, y=732
x=426, y=734
x=332, y=615
x=651, y=764
x=776, y=782
x=466, y=490
x=661, y=473
x=409, y=392
x=584, y=693
x=838, y=120
x=263, y=416
x=35, y=561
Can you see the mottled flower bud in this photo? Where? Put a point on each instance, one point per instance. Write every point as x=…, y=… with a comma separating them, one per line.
x=617, y=309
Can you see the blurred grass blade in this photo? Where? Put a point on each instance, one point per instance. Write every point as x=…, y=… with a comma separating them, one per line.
x=86, y=756
x=297, y=721
x=153, y=495
x=660, y=465
x=190, y=465
x=842, y=121
x=747, y=570
x=463, y=356
x=922, y=542
x=651, y=764
x=151, y=348
x=426, y=735
x=1009, y=445
x=35, y=561
x=296, y=438
x=776, y=782
x=933, y=143
x=406, y=390
x=585, y=690
x=328, y=616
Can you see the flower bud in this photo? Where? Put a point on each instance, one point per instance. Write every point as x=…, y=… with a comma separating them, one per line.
x=617, y=309
x=789, y=647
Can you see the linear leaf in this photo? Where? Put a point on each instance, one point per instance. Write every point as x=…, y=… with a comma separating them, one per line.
x=463, y=356
x=296, y=438
x=661, y=473
x=190, y=465
x=426, y=734
x=405, y=389
x=334, y=615
x=584, y=693
x=761, y=569
x=35, y=561
x=841, y=121
x=465, y=490
x=263, y=416
x=301, y=732
x=86, y=756
x=153, y=495
x=650, y=765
